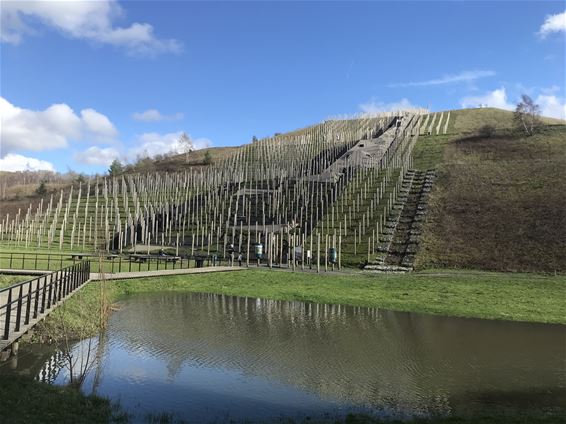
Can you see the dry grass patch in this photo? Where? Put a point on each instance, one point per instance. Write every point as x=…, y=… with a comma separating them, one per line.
x=499, y=204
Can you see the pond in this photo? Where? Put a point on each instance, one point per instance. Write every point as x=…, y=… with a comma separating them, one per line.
x=214, y=358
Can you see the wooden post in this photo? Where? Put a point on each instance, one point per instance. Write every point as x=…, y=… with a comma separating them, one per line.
x=339, y=252
x=292, y=249
x=318, y=252
x=303, y=251
x=326, y=253
x=248, y=250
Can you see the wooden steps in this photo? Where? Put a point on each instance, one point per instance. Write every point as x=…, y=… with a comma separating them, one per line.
x=399, y=241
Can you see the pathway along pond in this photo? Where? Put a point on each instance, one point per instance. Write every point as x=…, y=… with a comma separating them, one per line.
x=207, y=357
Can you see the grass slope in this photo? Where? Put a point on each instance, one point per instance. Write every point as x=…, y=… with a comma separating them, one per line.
x=470, y=120
x=181, y=162
x=498, y=202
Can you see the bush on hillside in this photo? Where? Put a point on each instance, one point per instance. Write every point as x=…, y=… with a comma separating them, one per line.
x=207, y=158
x=41, y=190
x=486, y=131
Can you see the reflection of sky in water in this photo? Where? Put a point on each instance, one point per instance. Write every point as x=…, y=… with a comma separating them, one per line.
x=143, y=384
x=208, y=357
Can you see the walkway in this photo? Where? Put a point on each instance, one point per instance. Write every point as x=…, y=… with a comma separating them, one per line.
x=94, y=276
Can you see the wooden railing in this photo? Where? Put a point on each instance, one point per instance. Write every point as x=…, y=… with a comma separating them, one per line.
x=26, y=301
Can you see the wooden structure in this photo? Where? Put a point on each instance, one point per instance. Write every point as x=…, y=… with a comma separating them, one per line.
x=24, y=304
x=336, y=181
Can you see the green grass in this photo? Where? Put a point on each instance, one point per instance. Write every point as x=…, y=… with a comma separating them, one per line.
x=429, y=151
x=518, y=297
x=28, y=259
x=7, y=279
x=470, y=120
x=27, y=401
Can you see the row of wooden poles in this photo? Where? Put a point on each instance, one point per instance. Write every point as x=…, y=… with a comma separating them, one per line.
x=205, y=206
x=430, y=125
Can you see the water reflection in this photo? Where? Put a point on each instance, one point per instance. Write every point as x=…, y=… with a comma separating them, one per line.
x=212, y=357
x=51, y=368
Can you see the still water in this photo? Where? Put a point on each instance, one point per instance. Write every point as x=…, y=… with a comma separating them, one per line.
x=216, y=358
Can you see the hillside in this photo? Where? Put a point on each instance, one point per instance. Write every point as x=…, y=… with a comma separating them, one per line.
x=495, y=204
x=178, y=162
x=498, y=202
x=280, y=190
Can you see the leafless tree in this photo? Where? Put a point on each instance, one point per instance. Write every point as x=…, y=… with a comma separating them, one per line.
x=186, y=144
x=527, y=115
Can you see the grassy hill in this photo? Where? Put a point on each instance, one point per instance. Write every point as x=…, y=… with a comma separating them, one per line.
x=498, y=202
x=175, y=163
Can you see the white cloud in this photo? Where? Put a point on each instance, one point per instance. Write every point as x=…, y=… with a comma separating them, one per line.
x=52, y=128
x=151, y=144
x=98, y=124
x=465, y=76
x=496, y=98
x=88, y=20
x=153, y=115
x=372, y=106
x=201, y=143
x=553, y=23
x=551, y=106
x=95, y=155
x=13, y=162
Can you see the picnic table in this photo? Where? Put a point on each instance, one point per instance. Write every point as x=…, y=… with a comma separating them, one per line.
x=145, y=258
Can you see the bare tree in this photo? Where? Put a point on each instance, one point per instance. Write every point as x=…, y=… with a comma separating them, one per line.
x=527, y=115
x=187, y=145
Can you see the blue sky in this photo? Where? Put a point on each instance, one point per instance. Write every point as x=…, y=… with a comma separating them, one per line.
x=85, y=82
